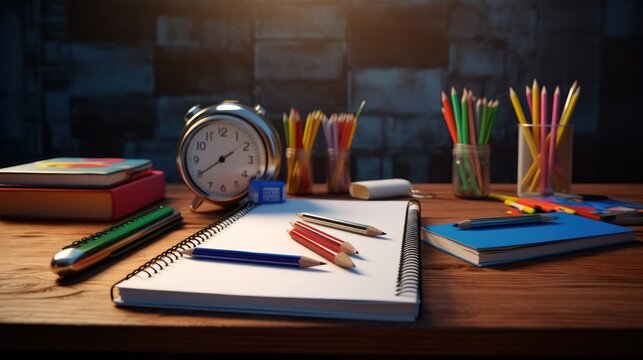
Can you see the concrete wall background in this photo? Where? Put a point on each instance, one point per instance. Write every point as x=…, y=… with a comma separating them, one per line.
x=115, y=77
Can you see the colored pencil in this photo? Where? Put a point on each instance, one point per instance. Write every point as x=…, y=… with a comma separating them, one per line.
x=521, y=118
x=447, y=112
x=464, y=118
x=567, y=113
x=552, y=139
x=535, y=110
x=472, y=140
x=456, y=113
x=529, y=98
x=543, y=136
x=337, y=257
x=342, y=224
x=325, y=238
x=247, y=257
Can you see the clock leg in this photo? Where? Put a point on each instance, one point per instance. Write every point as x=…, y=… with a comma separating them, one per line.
x=196, y=202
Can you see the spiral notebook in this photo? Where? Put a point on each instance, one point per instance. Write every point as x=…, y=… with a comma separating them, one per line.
x=384, y=285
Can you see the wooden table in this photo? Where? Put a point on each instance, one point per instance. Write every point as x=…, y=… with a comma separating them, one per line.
x=585, y=303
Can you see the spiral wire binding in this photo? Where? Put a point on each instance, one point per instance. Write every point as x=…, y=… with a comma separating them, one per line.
x=157, y=263
x=409, y=273
x=98, y=234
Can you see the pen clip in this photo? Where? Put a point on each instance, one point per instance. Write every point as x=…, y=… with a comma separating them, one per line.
x=419, y=194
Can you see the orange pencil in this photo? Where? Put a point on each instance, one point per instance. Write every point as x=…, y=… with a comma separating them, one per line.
x=324, y=238
x=337, y=257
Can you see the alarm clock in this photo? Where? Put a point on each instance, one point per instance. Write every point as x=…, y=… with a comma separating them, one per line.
x=222, y=148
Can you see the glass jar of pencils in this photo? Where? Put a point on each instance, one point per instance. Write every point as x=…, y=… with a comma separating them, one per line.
x=338, y=177
x=470, y=177
x=299, y=179
x=544, y=159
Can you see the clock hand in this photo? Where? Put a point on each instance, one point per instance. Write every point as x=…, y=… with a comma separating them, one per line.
x=220, y=160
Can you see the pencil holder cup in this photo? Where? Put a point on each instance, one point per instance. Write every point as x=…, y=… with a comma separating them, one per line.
x=338, y=175
x=299, y=180
x=544, y=159
x=470, y=177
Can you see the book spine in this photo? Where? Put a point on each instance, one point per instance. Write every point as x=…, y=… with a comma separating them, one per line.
x=409, y=273
x=130, y=197
x=174, y=253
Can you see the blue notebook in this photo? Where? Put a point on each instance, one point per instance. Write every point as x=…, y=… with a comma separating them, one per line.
x=504, y=244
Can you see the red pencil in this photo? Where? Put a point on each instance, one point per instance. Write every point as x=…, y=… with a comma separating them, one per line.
x=448, y=117
x=337, y=257
x=324, y=238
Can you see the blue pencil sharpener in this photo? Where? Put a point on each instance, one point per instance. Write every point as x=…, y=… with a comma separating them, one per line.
x=267, y=191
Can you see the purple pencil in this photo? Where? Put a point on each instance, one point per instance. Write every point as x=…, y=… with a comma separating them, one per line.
x=552, y=139
x=543, y=134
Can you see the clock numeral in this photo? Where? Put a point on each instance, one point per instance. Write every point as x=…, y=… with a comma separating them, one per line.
x=195, y=159
x=244, y=174
x=222, y=131
x=199, y=174
x=246, y=145
x=251, y=159
x=222, y=188
x=200, y=145
x=209, y=136
x=210, y=185
x=236, y=184
x=236, y=136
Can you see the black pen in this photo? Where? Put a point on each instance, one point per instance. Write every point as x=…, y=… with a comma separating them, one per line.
x=114, y=241
x=503, y=221
x=341, y=224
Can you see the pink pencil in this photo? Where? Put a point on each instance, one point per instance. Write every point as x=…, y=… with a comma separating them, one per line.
x=543, y=134
x=528, y=95
x=552, y=139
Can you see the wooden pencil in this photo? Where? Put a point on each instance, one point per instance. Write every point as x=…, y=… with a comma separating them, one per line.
x=325, y=238
x=337, y=257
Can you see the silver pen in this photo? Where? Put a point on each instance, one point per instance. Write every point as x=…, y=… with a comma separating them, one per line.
x=342, y=224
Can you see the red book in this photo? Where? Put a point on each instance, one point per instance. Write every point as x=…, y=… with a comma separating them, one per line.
x=82, y=204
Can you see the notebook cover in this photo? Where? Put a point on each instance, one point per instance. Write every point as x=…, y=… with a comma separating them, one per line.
x=82, y=204
x=565, y=227
x=75, y=172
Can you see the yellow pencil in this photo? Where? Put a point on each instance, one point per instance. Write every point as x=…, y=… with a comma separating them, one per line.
x=521, y=118
x=567, y=115
x=572, y=90
x=524, y=208
x=502, y=197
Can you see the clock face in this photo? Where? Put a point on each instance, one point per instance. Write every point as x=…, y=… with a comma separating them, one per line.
x=221, y=156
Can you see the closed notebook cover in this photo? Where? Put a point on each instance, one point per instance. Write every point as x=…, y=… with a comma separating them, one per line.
x=564, y=227
x=502, y=244
x=384, y=285
x=82, y=204
x=75, y=172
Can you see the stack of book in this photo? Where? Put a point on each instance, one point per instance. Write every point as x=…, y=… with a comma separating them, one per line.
x=103, y=189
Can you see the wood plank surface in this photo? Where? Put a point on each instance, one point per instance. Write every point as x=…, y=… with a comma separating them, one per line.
x=588, y=302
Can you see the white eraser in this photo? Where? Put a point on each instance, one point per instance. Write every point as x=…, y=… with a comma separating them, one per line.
x=379, y=189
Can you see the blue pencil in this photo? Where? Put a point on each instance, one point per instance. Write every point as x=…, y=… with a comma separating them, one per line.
x=247, y=257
